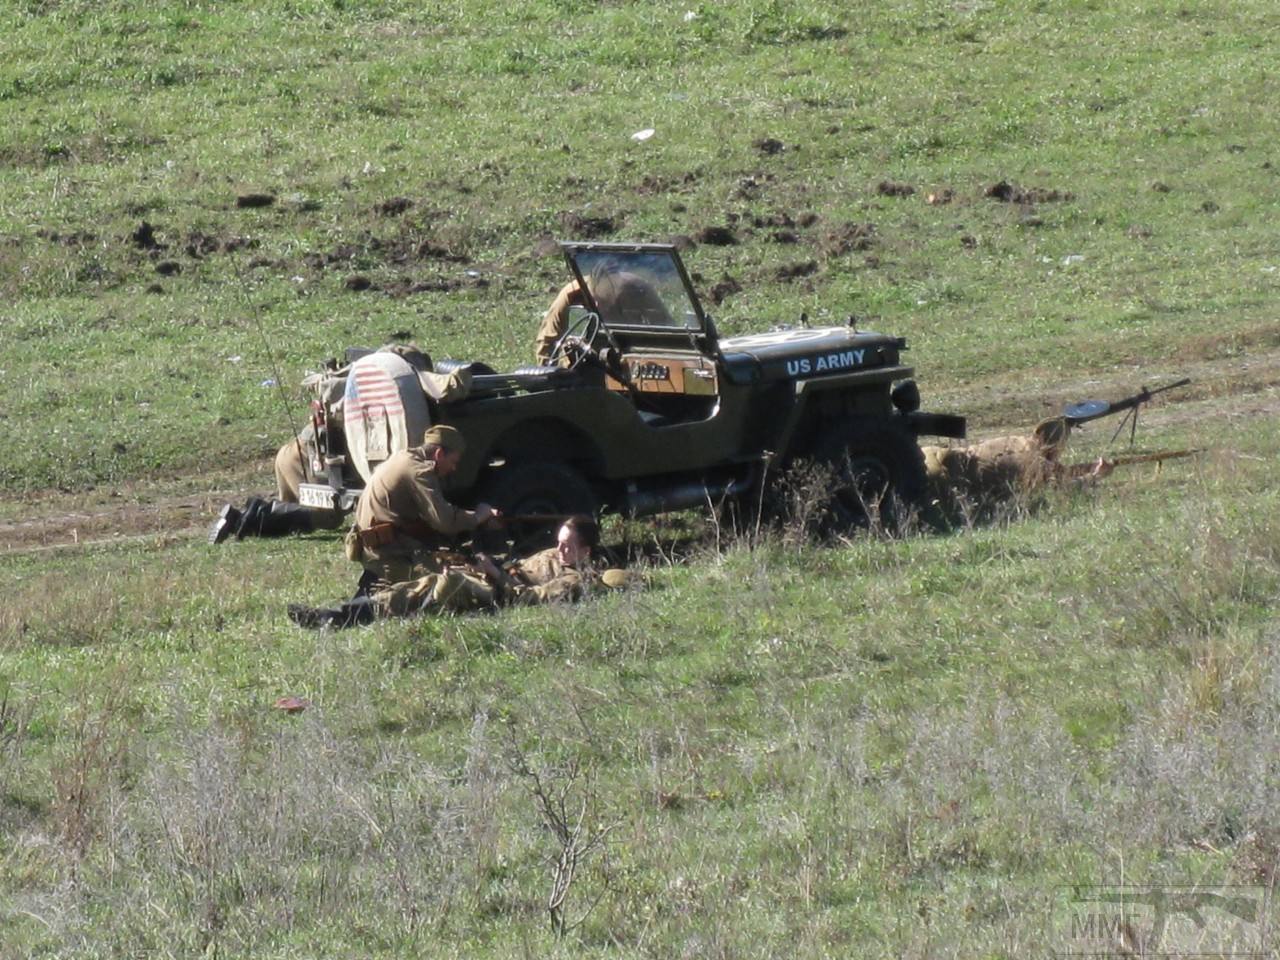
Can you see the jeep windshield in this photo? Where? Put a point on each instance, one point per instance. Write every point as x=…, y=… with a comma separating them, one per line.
x=636, y=287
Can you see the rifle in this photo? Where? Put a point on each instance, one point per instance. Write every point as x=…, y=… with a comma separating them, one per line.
x=541, y=517
x=1078, y=413
x=1124, y=460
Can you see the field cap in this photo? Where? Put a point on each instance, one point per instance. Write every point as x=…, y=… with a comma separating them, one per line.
x=445, y=437
x=1052, y=432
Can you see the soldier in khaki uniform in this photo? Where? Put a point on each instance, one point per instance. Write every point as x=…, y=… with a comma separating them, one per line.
x=621, y=297
x=1004, y=468
x=556, y=320
x=283, y=515
x=558, y=574
x=404, y=527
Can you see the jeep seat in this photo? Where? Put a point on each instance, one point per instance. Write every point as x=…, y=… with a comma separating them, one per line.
x=448, y=365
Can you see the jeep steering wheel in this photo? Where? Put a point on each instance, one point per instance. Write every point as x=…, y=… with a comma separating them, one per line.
x=576, y=339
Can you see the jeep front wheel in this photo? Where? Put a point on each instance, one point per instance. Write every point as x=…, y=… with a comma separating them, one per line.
x=876, y=477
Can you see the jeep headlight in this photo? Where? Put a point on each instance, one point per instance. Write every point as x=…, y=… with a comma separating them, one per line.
x=906, y=396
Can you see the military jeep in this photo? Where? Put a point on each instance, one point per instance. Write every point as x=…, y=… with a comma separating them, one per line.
x=643, y=409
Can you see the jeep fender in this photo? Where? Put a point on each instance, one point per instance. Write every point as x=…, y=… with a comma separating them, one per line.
x=546, y=438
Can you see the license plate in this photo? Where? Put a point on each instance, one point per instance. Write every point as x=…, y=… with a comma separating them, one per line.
x=314, y=495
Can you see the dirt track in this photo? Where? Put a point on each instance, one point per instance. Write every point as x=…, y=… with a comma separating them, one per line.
x=1222, y=391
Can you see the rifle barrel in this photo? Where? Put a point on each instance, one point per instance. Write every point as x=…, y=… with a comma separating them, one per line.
x=1145, y=394
x=1124, y=460
x=1158, y=457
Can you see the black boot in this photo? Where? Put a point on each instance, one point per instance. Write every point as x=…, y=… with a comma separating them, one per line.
x=273, y=518
x=368, y=582
x=250, y=524
x=228, y=520
x=313, y=618
x=351, y=614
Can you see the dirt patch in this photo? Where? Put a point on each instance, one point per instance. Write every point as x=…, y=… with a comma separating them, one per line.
x=431, y=250
x=394, y=206
x=1222, y=345
x=144, y=238
x=1007, y=192
x=406, y=287
x=343, y=253
x=252, y=201
x=654, y=183
x=545, y=246
x=779, y=219
x=76, y=238
x=751, y=187
x=585, y=227
x=890, y=188
x=137, y=509
x=716, y=236
x=726, y=287
x=197, y=244
x=848, y=238
x=794, y=271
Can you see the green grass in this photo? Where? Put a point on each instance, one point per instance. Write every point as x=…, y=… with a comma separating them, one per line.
x=835, y=739
x=884, y=748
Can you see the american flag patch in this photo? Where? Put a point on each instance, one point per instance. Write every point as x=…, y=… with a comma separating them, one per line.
x=371, y=394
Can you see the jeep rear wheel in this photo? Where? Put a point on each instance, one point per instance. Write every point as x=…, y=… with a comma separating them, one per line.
x=542, y=490
x=876, y=476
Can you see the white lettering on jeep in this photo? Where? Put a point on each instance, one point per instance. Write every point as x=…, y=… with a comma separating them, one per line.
x=831, y=361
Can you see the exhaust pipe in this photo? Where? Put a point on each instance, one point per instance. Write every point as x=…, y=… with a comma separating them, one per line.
x=682, y=496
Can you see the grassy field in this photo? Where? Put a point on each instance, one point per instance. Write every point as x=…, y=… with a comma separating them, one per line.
x=905, y=747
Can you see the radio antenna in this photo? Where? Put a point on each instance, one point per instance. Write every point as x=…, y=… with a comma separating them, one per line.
x=286, y=408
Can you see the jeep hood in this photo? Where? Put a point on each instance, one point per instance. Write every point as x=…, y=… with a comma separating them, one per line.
x=809, y=352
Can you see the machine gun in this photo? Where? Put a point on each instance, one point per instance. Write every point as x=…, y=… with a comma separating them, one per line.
x=1078, y=413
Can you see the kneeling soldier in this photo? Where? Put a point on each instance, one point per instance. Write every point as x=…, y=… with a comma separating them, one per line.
x=404, y=526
